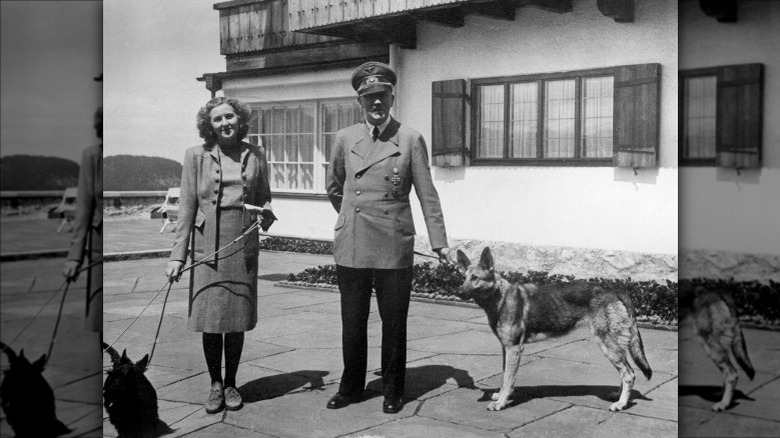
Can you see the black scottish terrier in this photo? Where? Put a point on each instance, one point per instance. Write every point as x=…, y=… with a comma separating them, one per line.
x=27, y=399
x=129, y=397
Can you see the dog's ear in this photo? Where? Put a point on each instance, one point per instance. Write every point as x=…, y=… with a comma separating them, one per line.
x=111, y=352
x=463, y=261
x=486, y=259
x=141, y=365
x=39, y=364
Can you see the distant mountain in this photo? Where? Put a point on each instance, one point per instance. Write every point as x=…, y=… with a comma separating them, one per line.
x=135, y=172
x=31, y=172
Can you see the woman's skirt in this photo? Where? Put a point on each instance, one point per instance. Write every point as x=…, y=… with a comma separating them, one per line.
x=223, y=291
x=93, y=319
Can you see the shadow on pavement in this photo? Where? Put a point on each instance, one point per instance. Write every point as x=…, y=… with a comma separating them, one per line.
x=278, y=385
x=711, y=393
x=525, y=394
x=426, y=378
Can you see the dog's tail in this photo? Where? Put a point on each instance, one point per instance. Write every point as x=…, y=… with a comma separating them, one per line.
x=638, y=352
x=111, y=352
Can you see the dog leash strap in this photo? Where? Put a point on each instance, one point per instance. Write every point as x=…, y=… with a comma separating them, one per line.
x=206, y=259
x=139, y=314
x=159, y=324
x=38, y=313
x=57, y=323
x=84, y=268
x=426, y=255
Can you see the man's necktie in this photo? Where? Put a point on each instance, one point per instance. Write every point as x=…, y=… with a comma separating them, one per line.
x=375, y=133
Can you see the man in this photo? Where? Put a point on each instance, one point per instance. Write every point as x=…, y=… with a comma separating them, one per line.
x=372, y=169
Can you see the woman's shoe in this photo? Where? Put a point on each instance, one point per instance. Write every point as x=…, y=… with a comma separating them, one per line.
x=216, y=401
x=233, y=401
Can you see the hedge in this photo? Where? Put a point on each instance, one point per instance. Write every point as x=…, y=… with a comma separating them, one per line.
x=654, y=302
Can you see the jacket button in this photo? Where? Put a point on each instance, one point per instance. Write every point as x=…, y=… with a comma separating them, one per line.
x=357, y=193
x=216, y=191
x=357, y=176
x=213, y=201
x=216, y=180
x=217, y=170
x=357, y=210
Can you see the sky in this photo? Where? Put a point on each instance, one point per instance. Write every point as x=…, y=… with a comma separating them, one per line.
x=50, y=51
x=153, y=52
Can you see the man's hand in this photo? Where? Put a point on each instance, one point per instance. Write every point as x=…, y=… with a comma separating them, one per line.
x=173, y=270
x=444, y=256
x=71, y=270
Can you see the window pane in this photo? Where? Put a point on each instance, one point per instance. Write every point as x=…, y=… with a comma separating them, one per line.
x=336, y=116
x=559, y=119
x=524, y=111
x=699, y=124
x=597, y=121
x=491, y=122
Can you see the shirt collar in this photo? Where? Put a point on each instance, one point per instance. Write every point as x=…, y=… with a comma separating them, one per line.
x=381, y=127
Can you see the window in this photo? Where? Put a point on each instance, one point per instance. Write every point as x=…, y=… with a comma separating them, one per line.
x=699, y=117
x=298, y=137
x=721, y=116
x=563, y=118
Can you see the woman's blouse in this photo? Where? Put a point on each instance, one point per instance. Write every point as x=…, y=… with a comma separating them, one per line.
x=232, y=183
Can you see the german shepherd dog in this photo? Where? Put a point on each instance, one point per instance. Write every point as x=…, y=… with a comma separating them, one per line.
x=517, y=313
x=716, y=326
x=27, y=399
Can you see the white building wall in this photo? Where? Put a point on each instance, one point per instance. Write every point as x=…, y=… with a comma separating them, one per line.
x=720, y=210
x=581, y=207
x=578, y=220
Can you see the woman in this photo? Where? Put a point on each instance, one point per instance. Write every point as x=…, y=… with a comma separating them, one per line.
x=223, y=182
x=87, y=240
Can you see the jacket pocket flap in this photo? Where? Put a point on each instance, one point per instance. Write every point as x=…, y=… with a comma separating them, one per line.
x=340, y=222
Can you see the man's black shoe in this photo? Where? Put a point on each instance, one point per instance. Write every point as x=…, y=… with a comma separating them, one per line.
x=340, y=400
x=392, y=406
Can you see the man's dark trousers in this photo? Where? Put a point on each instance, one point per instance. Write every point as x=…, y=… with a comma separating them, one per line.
x=393, y=289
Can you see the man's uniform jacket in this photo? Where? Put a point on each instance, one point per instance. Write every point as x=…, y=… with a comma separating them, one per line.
x=374, y=228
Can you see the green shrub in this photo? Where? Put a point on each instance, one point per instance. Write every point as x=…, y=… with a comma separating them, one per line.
x=653, y=301
x=756, y=302
x=296, y=245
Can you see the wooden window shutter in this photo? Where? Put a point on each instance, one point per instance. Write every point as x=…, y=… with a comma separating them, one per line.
x=636, y=116
x=739, y=116
x=448, y=117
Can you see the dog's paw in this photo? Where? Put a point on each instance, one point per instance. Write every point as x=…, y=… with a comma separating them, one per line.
x=720, y=406
x=494, y=396
x=618, y=406
x=496, y=406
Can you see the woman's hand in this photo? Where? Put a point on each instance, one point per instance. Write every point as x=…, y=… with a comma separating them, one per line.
x=173, y=270
x=71, y=270
x=257, y=209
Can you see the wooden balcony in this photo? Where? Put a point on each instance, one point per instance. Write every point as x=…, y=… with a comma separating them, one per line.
x=255, y=37
x=394, y=20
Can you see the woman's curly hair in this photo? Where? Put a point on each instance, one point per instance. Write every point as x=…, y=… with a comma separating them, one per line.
x=205, y=129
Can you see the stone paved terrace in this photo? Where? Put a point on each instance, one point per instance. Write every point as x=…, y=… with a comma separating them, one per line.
x=291, y=364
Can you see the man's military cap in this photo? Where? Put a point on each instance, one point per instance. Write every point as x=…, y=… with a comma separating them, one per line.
x=372, y=77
